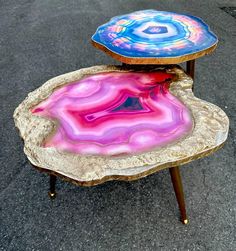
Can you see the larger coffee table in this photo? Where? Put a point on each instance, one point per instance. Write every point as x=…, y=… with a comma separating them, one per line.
x=115, y=123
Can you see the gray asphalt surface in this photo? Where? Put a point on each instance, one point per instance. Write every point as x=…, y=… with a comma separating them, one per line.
x=43, y=39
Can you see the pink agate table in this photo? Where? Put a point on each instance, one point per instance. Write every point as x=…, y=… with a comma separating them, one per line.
x=125, y=122
x=110, y=122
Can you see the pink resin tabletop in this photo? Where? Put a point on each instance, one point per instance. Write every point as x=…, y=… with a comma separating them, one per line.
x=118, y=122
x=115, y=113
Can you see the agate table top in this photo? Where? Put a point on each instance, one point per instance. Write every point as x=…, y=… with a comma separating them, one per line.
x=115, y=113
x=155, y=37
x=110, y=122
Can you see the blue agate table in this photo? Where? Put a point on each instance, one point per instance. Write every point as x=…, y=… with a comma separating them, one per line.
x=155, y=37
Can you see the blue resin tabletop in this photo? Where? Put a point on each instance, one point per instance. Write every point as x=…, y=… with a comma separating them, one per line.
x=151, y=36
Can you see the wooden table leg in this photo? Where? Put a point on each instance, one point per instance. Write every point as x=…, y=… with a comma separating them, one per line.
x=177, y=184
x=52, y=191
x=190, y=68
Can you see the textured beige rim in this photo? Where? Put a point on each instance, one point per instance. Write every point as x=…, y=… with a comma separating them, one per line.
x=131, y=177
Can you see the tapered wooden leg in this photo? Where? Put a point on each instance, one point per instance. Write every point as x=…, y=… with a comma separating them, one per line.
x=190, y=68
x=177, y=184
x=52, y=191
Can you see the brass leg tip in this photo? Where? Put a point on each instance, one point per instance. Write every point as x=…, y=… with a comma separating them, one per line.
x=52, y=195
x=185, y=222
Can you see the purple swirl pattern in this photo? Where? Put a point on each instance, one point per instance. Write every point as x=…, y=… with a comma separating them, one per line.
x=151, y=33
x=115, y=113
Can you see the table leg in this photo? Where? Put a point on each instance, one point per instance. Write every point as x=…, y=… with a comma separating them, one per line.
x=190, y=68
x=52, y=191
x=177, y=184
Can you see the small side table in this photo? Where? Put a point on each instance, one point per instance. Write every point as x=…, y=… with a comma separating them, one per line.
x=156, y=37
